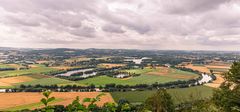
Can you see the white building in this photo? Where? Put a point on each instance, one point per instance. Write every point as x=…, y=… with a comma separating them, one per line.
x=122, y=75
x=205, y=79
x=2, y=90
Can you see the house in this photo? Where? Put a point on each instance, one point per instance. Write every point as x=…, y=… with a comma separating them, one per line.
x=3, y=90
x=122, y=76
x=167, y=65
x=98, y=90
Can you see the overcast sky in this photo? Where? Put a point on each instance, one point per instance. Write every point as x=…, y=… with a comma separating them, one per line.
x=129, y=24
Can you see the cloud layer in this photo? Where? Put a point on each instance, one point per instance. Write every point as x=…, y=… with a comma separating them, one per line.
x=129, y=24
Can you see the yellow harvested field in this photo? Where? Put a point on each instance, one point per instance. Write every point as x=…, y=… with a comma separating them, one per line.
x=4, y=84
x=62, y=67
x=12, y=80
x=41, y=62
x=110, y=65
x=33, y=66
x=77, y=59
x=8, y=100
x=198, y=68
x=215, y=66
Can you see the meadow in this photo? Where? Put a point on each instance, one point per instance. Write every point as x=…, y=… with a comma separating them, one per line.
x=34, y=70
x=5, y=66
x=179, y=95
x=34, y=79
x=46, y=81
x=147, y=77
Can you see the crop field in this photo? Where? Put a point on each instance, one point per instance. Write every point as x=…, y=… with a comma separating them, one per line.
x=10, y=81
x=29, y=100
x=33, y=79
x=172, y=73
x=198, y=68
x=10, y=65
x=38, y=76
x=42, y=61
x=77, y=59
x=110, y=65
x=62, y=67
x=218, y=69
x=5, y=66
x=141, y=71
x=146, y=78
x=36, y=70
x=46, y=81
x=179, y=95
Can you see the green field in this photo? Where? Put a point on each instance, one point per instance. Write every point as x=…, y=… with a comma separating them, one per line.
x=179, y=95
x=198, y=65
x=39, y=69
x=46, y=81
x=5, y=66
x=140, y=71
x=6, y=87
x=219, y=69
x=142, y=79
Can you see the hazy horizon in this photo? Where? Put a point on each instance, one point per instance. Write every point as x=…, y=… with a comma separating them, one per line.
x=106, y=24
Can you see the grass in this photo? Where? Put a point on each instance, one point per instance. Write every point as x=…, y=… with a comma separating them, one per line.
x=179, y=95
x=77, y=59
x=38, y=76
x=71, y=83
x=141, y=71
x=142, y=79
x=39, y=69
x=30, y=106
x=45, y=81
x=219, y=69
x=6, y=87
x=5, y=66
x=198, y=65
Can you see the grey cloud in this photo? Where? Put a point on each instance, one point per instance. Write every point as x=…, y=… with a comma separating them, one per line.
x=113, y=28
x=142, y=22
x=127, y=19
x=23, y=20
x=65, y=19
x=190, y=6
x=83, y=31
x=221, y=41
x=39, y=5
